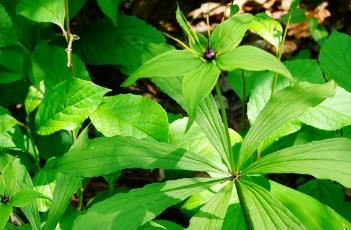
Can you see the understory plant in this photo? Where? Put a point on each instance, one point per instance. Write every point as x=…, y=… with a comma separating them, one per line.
x=227, y=182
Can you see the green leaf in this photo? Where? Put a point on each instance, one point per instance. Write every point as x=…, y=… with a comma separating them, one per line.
x=24, y=197
x=336, y=63
x=44, y=182
x=326, y=159
x=6, y=120
x=66, y=186
x=161, y=224
x=332, y=114
x=131, y=115
x=283, y=107
x=193, y=140
x=12, y=64
x=208, y=117
x=328, y=193
x=229, y=33
x=5, y=212
x=242, y=82
x=251, y=58
x=8, y=181
x=267, y=28
x=122, y=45
x=211, y=215
x=34, y=97
x=172, y=63
x=312, y=213
x=57, y=112
x=43, y=11
x=198, y=84
x=110, y=9
x=263, y=211
x=109, y=154
x=8, y=35
x=132, y=209
x=234, y=217
x=49, y=63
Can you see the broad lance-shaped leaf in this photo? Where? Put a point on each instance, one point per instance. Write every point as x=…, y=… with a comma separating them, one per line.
x=326, y=159
x=253, y=59
x=8, y=35
x=211, y=215
x=336, y=63
x=43, y=11
x=311, y=212
x=198, y=84
x=229, y=33
x=262, y=210
x=284, y=106
x=183, y=23
x=172, y=63
x=131, y=115
x=67, y=105
x=135, y=208
x=66, y=186
x=109, y=154
x=208, y=117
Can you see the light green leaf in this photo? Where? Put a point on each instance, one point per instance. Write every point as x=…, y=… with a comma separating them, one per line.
x=251, y=58
x=328, y=193
x=335, y=59
x=110, y=9
x=267, y=28
x=24, y=197
x=44, y=182
x=43, y=11
x=172, y=63
x=131, y=115
x=312, y=213
x=8, y=181
x=161, y=224
x=198, y=84
x=229, y=33
x=332, y=114
x=49, y=63
x=8, y=35
x=67, y=105
x=109, y=154
x=263, y=211
x=6, y=120
x=132, y=209
x=34, y=97
x=122, y=45
x=5, y=212
x=211, y=215
x=66, y=186
x=283, y=107
x=326, y=159
x=193, y=140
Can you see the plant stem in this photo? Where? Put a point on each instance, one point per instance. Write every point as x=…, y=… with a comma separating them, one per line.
x=69, y=38
x=243, y=101
x=226, y=127
x=80, y=198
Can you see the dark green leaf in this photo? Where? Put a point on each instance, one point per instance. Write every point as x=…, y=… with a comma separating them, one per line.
x=110, y=9
x=8, y=35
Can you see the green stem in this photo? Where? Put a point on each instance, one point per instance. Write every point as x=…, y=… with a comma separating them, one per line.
x=280, y=49
x=80, y=199
x=69, y=38
x=243, y=101
x=226, y=127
